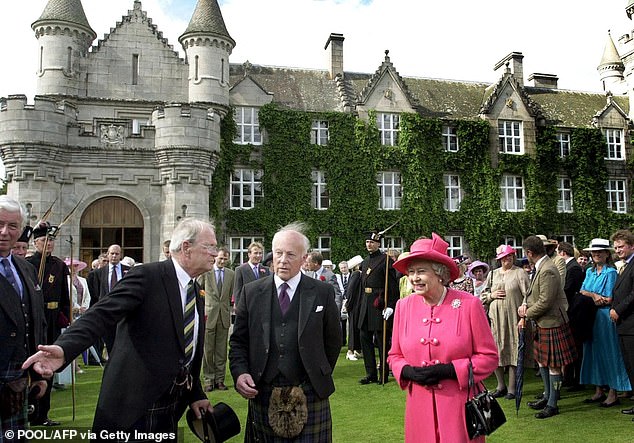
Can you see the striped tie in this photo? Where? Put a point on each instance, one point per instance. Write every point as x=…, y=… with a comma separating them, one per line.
x=189, y=318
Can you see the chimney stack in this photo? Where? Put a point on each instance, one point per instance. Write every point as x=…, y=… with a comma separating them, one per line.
x=548, y=81
x=336, y=54
x=515, y=65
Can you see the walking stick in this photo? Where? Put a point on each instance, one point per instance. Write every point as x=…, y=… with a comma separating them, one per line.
x=383, y=359
x=70, y=320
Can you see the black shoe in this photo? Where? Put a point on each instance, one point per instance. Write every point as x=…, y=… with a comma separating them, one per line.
x=48, y=422
x=629, y=411
x=537, y=405
x=220, y=386
x=510, y=396
x=575, y=388
x=539, y=396
x=595, y=400
x=609, y=405
x=499, y=393
x=547, y=412
x=368, y=379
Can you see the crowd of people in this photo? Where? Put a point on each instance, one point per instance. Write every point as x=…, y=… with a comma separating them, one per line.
x=422, y=318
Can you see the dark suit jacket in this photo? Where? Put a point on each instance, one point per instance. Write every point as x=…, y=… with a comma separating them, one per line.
x=623, y=300
x=244, y=275
x=150, y=344
x=574, y=279
x=319, y=332
x=12, y=353
x=98, y=283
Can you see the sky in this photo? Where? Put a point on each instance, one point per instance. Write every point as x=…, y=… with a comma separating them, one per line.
x=453, y=40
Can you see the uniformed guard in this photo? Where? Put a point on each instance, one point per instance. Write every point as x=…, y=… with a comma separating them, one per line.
x=373, y=311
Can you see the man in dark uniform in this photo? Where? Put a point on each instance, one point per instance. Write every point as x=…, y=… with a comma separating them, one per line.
x=373, y=311
x=54, y=284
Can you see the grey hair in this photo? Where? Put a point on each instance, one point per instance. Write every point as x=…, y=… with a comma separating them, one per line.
x=441, y=271
x=11, y=205
x=188, y=229
x=298, y=227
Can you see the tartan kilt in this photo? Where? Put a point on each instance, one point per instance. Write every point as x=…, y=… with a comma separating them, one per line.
x=554, y=347
x=318, y=426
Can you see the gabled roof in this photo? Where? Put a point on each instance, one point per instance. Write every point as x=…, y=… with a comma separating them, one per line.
x=386, y=68
x=65, y=11
x=611, y=104
x=508, y=79
x=207, y=19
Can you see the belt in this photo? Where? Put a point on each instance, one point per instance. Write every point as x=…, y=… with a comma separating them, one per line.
x=52, y=305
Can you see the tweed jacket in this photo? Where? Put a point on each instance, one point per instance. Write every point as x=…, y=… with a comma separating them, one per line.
x=545, y=299
x=217, y=304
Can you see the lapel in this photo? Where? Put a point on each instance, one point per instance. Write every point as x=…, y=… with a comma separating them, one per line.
x=9, y=299
x=227, y=287
x=534, y=279
x=170, y=285
x=625, y=275
x=307, y=294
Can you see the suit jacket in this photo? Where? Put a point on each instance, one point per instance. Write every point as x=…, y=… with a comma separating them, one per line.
x=319, y=332
x=329, y=277
x=574, y=280
x=217, y=305
x=98, y=283
x=149, y=345
x=623, y=300
x=545, y=298
x=12, y=353
x=244, y=275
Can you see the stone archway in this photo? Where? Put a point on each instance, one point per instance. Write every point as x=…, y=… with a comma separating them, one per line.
x=107, y=221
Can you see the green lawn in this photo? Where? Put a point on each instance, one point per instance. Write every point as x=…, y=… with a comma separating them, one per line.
x=374, y=413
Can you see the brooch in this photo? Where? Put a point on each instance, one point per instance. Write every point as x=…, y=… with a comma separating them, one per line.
x=455, y=303
x=201, y=293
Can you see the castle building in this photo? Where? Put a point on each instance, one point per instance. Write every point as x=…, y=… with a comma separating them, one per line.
x=131, y=135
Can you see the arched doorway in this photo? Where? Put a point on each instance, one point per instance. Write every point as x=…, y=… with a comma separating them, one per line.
x=107, y=221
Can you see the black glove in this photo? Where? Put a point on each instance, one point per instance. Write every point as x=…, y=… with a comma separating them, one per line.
x=429, y=375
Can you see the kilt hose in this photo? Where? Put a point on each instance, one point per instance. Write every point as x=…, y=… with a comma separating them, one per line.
x=554, y=347
x=318, y=426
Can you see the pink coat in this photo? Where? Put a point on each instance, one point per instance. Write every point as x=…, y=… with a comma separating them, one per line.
x=455, y=332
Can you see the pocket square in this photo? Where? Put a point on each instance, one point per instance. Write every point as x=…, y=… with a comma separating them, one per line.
x=319, y=308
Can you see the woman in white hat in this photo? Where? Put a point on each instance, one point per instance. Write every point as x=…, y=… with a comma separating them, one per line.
x=503, y=294
x=602, y=363
x=80, y=294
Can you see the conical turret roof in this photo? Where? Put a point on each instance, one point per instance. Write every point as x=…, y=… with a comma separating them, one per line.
x=69, y=11
x=207, y=19
x=610, y=54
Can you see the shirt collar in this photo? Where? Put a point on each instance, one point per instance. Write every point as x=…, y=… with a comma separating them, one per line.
x=182, y=276
x=292, y=282
x=539, y=262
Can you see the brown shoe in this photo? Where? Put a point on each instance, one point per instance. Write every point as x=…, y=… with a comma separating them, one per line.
x=209, y=388
x=220, y=386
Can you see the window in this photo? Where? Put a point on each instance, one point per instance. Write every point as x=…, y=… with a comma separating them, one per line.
x=516, y=244
x=453, y=193
x=248, y=126
x=388, y=128
x=564, y=204
x=392, y=243
x=321, y=199
x=614, y=137
x=69, y=59
x=512, y=193
x=319, y=134
x=246, y=188
x=510, y=136
x=323, y=246
x=135, y=69
x=616, y=190
x=567, y=238
x=389, y=184
x=238, y=248
x=563, y=138
x=455, y=245
x=450, y=138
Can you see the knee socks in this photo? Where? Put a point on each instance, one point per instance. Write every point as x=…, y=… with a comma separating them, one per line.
x=555, y=387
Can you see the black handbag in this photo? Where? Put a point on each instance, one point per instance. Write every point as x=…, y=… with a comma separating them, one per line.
x=483, y=414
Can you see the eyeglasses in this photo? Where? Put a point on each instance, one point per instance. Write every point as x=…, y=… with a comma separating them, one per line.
x=212, y=249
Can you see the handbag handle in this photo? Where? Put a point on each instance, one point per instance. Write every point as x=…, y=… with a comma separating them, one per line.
x=472, y=383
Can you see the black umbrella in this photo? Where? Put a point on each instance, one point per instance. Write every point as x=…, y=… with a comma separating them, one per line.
x=519, y=371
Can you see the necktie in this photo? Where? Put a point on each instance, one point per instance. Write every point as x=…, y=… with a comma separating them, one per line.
x=622, y=269
x=188, y=319
x=8, y=274
x=219, y=280
x=345, y=282
x=113, y=277
x=255, y=271
x=284, y=299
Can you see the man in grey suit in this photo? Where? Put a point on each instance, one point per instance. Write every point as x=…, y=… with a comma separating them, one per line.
x=251, y=270
x=622, y=312
x=315, y=262
x=285, y=345
x=218, y=287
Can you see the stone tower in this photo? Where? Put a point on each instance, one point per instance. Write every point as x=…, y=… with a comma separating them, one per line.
x=611, y=69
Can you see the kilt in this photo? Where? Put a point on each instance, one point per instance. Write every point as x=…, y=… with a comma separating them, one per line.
x=318, y=426
x=14, y=422
x=554, y=347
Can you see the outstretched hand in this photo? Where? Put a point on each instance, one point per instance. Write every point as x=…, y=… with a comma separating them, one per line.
x=46, y=361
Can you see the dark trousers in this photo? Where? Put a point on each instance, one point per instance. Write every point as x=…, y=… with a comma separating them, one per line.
x=626, y=343
x=368, y=341
x=344, y=330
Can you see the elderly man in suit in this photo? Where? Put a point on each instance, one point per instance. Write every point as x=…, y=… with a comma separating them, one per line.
x=218, y=287
x=545, y=303
x=284, y=347
x=154, y=373
x=22, y=324
x=250, y=271
x=622, y=312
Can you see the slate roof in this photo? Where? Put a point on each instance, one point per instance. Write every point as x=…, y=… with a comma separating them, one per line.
x=70, y=11
x=207, y=19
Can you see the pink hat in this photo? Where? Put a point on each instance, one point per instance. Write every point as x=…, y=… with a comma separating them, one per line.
x=503, y=251
x=77, y=264
x=434, y=250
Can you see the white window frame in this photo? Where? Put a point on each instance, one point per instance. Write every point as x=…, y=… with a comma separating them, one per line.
x=238, y=247
x=511, y=137
x=512, y=193
x=563, y=139
x=320, y=133
x=512, y=241
x=245, y=185
x=568, y=238
x=616, y=147
x=247, y=126
x=456, y=245
x=320, y=196
x=564, y=188
x=450, y=138
x=323, y=246
x=389, y=184
x=392, y=243
x=616, y=190
x=453, y=192
x=389, y=128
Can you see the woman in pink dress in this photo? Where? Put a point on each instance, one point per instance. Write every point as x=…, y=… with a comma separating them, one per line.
x=438, y=332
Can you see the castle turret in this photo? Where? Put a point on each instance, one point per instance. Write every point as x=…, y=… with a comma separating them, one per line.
x=64, y=36
x=611, y=69
x=208, y=46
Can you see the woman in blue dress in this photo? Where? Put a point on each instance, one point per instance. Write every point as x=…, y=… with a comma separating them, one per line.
x=602, y=360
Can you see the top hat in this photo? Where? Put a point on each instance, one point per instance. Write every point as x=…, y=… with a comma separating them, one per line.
x=504, y=250
x=431, y=249
x=26, y=235
x=599, y=244
x=216, y=426
x=374, y=236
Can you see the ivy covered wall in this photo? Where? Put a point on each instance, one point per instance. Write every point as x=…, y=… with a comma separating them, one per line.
x=354, y=156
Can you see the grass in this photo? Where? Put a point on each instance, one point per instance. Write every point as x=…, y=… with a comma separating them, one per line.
x=374, y=413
